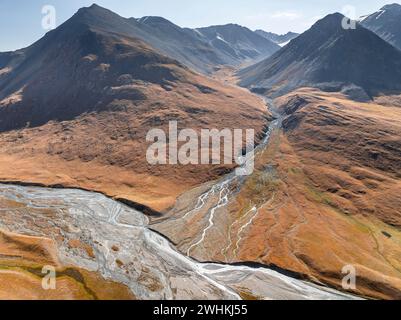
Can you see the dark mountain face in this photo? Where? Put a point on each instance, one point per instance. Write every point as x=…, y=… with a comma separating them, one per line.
x=79, y=67
x=190, y=47
x=279, y=39
x=76, y=107
x=386, y=23
x=7, y=62
x=9, y=58
x=236, y=42
x=97, y=61
x=159, y=33
x=203, y=49
x=179, y=43
x=329, y=57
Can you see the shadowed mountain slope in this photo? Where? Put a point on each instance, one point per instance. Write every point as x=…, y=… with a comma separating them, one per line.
x=331, y=58
x=237, y=42
x=386, y=23
x=76, y=107
x=280, y=39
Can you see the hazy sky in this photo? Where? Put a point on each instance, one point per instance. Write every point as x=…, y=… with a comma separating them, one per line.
x=21, y=21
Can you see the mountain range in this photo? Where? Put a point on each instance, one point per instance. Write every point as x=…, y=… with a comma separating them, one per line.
x=329, y=57
x=75, y=110
x=97, y=57
x=199, y=49
x=205, y=48
x=386, y=23
x=237, y=42
x=94, y=82
x=280, y=39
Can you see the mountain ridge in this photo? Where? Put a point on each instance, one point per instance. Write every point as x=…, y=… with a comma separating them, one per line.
x=280, y=39
x=316, y=58
x=76, y=107
x=188, y=46
x=386, y=23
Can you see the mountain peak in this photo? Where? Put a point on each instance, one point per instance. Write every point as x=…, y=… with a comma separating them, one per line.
x=93, y=11
x=333, y=16
x=316, y=58
x=93, y=8
x=331, y=20
x=228, y=26
x=386, y=23
x=153, y=20
x=233, y=25
x=237, y=41
x=332, y=24
x=392, y=6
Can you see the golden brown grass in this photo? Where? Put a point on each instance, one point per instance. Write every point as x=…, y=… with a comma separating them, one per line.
x=21, y=261
x=335, y=206
x=106, y=151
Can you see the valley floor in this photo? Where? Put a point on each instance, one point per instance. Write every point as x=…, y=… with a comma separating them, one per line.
x=102, y=249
